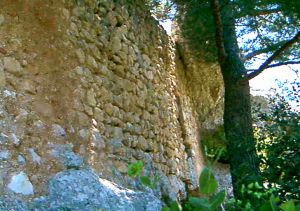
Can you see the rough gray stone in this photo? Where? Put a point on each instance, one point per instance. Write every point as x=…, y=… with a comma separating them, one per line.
x=84, y=190
x=3, y=138
x=97, y=140
x=14, y=139
x=58, y=131
x=67, y=157
x=12, y=204
x=21, y=160
x=35, y=157
x=4, y=155
x=71, y=160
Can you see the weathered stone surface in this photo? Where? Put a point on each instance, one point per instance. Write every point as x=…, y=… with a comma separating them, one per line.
x=12, y=65
x=84, y=190
x=2, y=76
x=8, y=203
x=71, y=160
x=96, y=84
x=20, y=183
x=2, y=19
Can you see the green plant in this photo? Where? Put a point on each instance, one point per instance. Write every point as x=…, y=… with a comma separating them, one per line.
x=136, y=169
x=211, y=199
x=278, y=143
x=212, y=142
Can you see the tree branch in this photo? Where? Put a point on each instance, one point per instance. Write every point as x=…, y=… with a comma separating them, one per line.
x=283, y=63
x=264, y=50
x=275, y=55
x=276, y=65
x=258, y=13
x=219, y=30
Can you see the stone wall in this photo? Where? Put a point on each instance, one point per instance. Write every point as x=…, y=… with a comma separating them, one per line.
x=203, y=83
x=93, y=84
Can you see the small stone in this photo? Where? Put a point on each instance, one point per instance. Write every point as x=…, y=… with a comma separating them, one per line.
x=35, y=157
x=115, y=146
x=66, y=13
x=92, y=62
x=78, y=11
x=116, y=44
x=90, y=98
x=21, y=160
x=71, y=160
x=58, y=131
x=4, y=155
x=109, y=109
x=20, y=184
x=99, y=115
x=80, y=55
x=117, y=133
x=97, y=140
x=39, y=125
x=14, y=139
x=88, y=110
x=9, y=94
x=147, y=60
x=84, y=134
x=12, y=65
x=83, y=119
x=3, y=138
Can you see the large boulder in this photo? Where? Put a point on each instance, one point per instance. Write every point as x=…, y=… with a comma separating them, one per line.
x=84, y=190
x=11, y=203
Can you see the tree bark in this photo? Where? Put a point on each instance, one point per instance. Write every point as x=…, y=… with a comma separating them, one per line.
x=244, y=165
x=243, y=160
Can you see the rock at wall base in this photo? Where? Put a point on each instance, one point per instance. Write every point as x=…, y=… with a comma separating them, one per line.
x=84, y=190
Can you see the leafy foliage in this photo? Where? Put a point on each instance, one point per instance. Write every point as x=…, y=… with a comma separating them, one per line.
x=213, y=142
x=278, y=144
x=207, y=182
x=207, y=187
x=136, y=169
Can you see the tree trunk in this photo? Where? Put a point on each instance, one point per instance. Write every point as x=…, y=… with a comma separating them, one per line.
x=243, y=159
x=239, y=134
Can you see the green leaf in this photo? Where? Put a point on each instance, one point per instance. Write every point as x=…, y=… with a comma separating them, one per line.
x=288, y=206
x=135, y=169
x=207, y=182
x=165, y=208
x=174, y=206
x=266, y=207
x=217, y=199
x=145, y=181
x=201, y=203
x=250, y=186
x=297, y=208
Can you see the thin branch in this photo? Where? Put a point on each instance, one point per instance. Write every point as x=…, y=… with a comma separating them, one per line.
x=275, y=55
x=258, y=13
x=219, y=30
x=264, y=50
x=277, y=65
x=283, y=63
